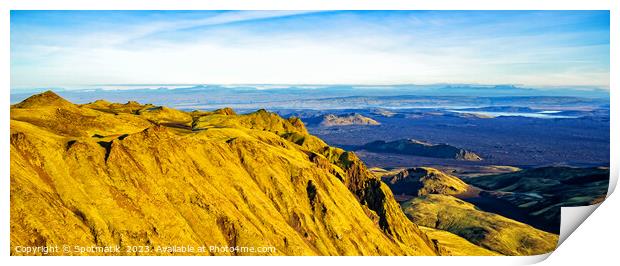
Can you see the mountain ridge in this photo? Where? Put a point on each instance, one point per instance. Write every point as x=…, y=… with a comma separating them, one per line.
x=111, y=176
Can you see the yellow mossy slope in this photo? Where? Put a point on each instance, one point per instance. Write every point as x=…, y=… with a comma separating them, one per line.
x=450, y=244
x=488, y=230
x=107, y=174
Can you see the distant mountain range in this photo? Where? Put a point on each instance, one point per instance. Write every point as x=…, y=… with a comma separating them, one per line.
x=252, y=97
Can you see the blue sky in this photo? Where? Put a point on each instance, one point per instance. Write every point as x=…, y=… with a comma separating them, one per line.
x=530, y=48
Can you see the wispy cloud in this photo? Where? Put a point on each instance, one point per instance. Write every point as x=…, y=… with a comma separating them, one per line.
x=533, y=48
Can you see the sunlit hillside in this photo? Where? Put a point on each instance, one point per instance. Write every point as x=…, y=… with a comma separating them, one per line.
x=130, y=174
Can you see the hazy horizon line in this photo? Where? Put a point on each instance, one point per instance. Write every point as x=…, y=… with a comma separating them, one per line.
x=318, y=85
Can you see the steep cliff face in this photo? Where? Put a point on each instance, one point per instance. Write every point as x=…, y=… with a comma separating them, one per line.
x=114, y=174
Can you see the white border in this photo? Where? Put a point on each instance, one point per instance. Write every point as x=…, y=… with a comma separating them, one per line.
x=5, y=6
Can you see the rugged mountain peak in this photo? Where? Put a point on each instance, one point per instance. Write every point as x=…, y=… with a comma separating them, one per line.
x=45, y=99
x=101, y=102
x=296, y=122
x=425, y=180
x=268, y=121
x=132, y=103
x=225, y=111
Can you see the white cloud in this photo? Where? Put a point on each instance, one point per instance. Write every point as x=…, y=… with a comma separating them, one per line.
x=363, y=53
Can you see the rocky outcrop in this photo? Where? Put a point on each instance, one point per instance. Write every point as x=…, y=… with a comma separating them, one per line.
x=422, y=181
x=331, y=120
x=419, y=148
